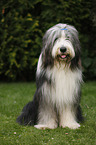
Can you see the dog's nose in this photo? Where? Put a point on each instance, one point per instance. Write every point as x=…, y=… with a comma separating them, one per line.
x=63, y=49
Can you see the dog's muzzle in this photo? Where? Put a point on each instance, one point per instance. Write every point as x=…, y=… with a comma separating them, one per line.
x=63, y=55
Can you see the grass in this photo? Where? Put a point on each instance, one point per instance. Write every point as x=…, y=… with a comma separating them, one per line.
x=13, y=96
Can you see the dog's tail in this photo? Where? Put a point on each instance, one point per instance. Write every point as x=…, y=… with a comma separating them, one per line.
x=29, y=114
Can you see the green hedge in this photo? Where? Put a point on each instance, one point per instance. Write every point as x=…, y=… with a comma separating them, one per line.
x=22, y=25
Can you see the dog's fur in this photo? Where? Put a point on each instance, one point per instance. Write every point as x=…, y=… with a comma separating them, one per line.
x=58, y=79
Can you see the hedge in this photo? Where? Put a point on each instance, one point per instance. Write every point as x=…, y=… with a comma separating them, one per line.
x=23, y=24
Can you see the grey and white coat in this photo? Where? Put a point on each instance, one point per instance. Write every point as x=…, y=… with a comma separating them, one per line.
x=58, y=78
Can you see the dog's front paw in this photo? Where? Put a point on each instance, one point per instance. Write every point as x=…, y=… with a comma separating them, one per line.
x=43, y=127
x=71, y=125
x=40, y=127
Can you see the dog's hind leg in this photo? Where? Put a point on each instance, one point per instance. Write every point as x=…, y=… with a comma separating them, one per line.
x=29, y=113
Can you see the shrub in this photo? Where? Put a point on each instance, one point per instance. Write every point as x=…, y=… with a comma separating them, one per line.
x=23, y=24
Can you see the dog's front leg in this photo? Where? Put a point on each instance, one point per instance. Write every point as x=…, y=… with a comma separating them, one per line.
x=47, y=118
x=68, y=117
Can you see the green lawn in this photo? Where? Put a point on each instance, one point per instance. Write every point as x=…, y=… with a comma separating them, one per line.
x=13, y=97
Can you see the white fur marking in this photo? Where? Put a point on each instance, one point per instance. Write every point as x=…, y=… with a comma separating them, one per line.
x=39, y=66
x=65, y=88
x=43, y=127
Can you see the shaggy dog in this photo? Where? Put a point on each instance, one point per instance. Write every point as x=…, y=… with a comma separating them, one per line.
x=58, y=78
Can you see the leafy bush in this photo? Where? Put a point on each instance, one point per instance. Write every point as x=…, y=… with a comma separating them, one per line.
x=22, y=26
x=20, y=41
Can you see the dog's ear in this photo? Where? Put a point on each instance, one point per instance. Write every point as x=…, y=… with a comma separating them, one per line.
x=76, y=61
x=47, y=57
x=47, y=52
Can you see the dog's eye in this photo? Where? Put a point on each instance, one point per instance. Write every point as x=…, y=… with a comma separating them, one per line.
x=55, y=39
x=67, y=38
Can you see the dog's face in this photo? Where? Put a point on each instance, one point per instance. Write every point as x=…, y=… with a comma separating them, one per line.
x=61, y=43
x=63, y=49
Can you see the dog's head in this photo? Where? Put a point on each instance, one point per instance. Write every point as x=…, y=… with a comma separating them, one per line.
x=61, y=44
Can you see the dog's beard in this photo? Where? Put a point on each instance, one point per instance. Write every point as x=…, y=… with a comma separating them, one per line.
x=66, y=56
x=63, y=57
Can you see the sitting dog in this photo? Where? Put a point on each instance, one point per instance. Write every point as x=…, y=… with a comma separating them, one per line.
x=58, y=79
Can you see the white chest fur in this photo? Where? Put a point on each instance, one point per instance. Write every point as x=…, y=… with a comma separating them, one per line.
x=65, y=86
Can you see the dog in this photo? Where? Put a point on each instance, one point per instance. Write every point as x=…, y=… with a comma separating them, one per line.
x=58, y=79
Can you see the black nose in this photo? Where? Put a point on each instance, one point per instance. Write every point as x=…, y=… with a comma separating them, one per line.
x=63, y=49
